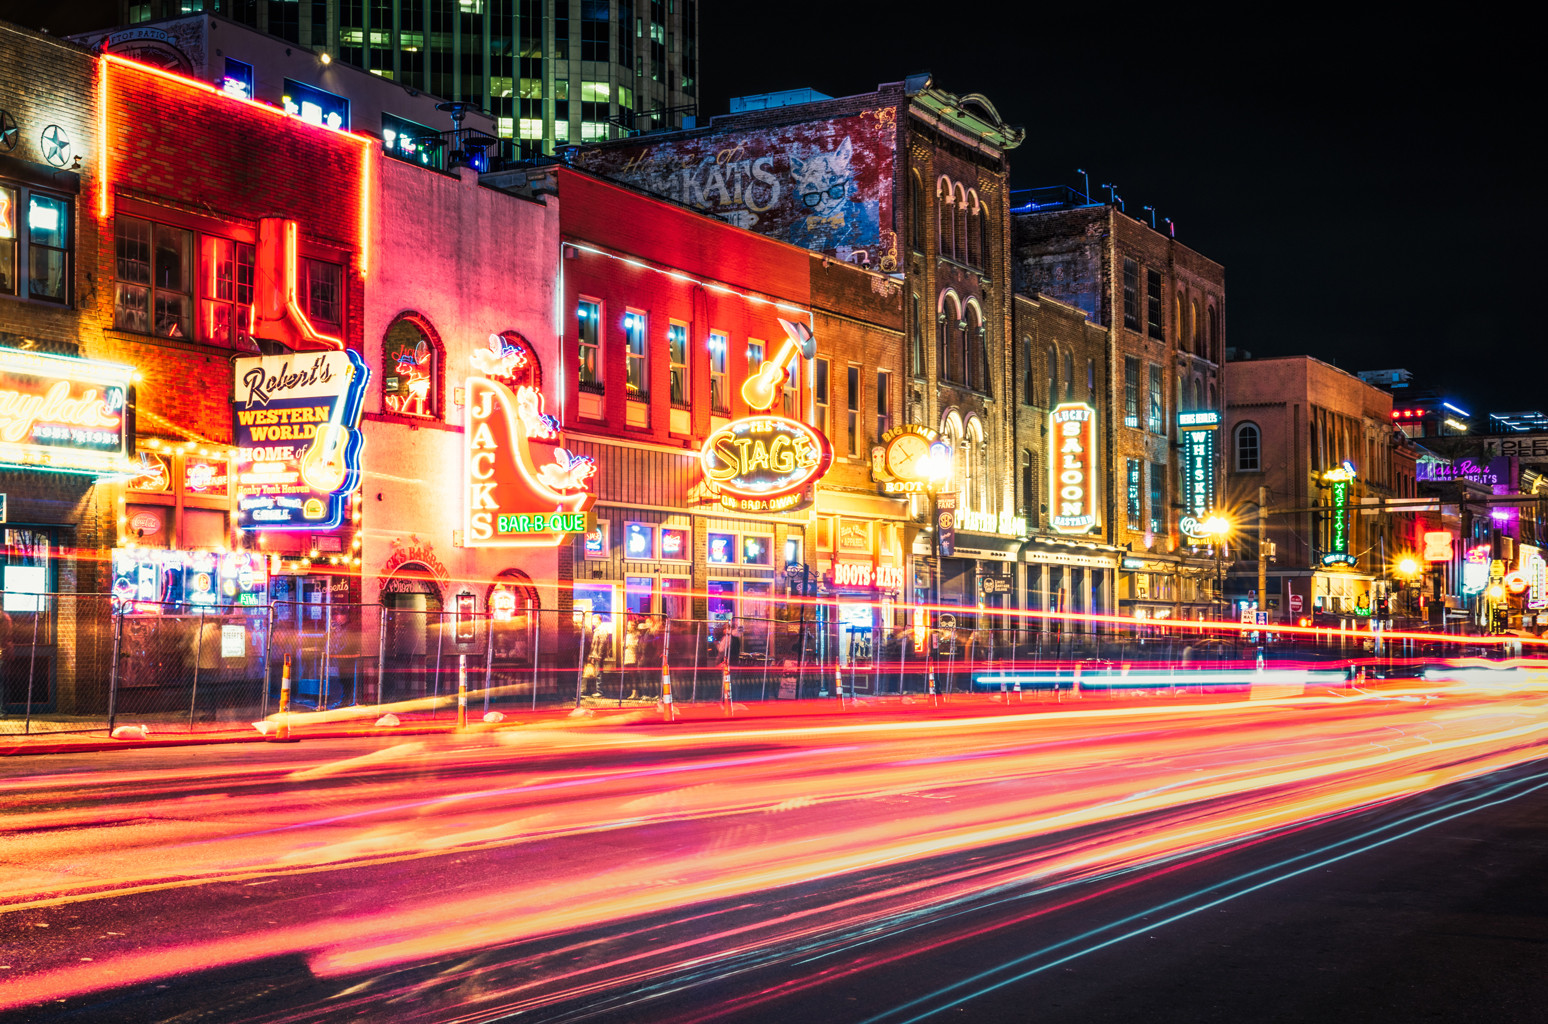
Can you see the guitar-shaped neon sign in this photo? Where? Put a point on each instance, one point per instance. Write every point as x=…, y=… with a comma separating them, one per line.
x=764, y=386
x=324, y=465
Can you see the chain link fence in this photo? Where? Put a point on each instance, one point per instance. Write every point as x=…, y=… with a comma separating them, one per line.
x=83, y=662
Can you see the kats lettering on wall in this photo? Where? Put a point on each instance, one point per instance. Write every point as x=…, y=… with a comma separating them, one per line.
x=64, y=414
x=524, y=489
x=1071, y=465
x=295, y=424
x=825, y=186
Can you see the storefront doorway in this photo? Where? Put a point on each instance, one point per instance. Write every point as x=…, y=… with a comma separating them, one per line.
x=412, y=637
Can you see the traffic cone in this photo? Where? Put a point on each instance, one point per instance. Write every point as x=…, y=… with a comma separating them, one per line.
x=666, y=693
x=838, y=683
x=725, y=688
x=282, y=725
x=930, y=680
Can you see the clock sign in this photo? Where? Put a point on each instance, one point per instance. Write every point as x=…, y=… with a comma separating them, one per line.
x=903, y=461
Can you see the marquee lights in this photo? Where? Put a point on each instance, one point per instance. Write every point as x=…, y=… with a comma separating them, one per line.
x=1071, y=465
x=64, y=414
x=764, y=463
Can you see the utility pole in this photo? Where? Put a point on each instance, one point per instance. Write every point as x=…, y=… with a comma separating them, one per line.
x=1262, y=549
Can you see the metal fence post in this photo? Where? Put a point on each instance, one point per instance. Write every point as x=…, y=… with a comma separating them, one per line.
x=322, y=676
x=440, y=634
x=193, y=697
x=698, y=648
x=32, y=661
x=268, y=645
x=537, y=643
x=118, y=639
x=381, y=652
x=488, y=657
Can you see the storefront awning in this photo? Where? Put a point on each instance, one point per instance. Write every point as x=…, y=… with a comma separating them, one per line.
x=977, y=545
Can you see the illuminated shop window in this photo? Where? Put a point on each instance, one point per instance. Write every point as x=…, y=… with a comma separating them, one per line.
x=721, y=605
x=592, y=131
x=676, y=602
x=226, y=309
x=636, y=372
x=316, y=106
x=720, y=394
x=793, y=551
x=675, y=543
x=757, y=550
x=639, y=541
x=238, y=79
x=1135, y=486
x=588, y=328
x=561, y=129
x=596, y=543
x=410, y=141
x=411, y=366
x=721, y=549
x=154, y=272
x=677, y=356
x=820, y=396
x=790, y=392
x=322, y=292
x=639, y=596
x=531, y=128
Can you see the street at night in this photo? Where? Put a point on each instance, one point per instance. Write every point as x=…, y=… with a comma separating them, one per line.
x=1195, y=860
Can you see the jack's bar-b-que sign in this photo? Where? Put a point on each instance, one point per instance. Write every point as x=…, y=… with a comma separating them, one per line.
x=64, y=414
x=295, y=425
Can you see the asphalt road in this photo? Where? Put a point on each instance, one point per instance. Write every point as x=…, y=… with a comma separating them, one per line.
x=1349, y=859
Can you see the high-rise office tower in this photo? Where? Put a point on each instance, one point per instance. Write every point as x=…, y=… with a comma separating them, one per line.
x=551, y=72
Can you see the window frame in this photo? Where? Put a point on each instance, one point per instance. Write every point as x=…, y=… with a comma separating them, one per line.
x=1256, y=448
x=822, y=383
x=21, y=243
x=427, y=334
x=853, y=389
x=680, y=383
x=636, y=326
x=884, y=411
x=1131, y=399
x=597, y=385
x=721, y=376
x=643, y=529
x=1155, y=406
x=1153, y=288
x=1131, y=311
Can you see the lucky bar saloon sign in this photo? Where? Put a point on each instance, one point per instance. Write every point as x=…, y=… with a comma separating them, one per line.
x=295, y=425
x=1071, y=467
x=63, y=414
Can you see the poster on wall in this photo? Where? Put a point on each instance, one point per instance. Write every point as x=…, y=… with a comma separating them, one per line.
x=295, y=424
x=822, y=185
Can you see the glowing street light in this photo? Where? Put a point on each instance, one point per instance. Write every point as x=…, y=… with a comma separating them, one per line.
x=1218, y=527
x=1407, y=567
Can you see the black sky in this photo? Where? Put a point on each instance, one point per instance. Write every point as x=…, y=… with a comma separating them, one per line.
x=1370, y=185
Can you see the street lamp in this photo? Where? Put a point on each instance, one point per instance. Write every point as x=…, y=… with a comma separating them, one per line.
x=1218, y=527
x=1409, y=571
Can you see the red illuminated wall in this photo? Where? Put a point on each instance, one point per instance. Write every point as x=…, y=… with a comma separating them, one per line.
x=179, y=153
x=596, y=213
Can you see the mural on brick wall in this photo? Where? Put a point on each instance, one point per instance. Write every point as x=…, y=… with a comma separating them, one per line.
x=823, y=185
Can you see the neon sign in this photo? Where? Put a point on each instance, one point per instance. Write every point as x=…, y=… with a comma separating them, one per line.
x=408, y=390
x=1535, y=569
x=907, y=460
x=63, y=414
x=520, y=493
x=765, y=385
x=1437, y=546
x=1198, y=431
x=764, y=463
x=1072, y=450
x=296, y=420
x=1338, y=516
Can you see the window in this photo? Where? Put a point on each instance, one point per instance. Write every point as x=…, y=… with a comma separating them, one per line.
x=1028, y=374
x=154, y=272
x=639, y=541
x=588, y=322
x=416, y=143
x=1069, y=377
x=636, y=382
x=43, y=248
x=1213, y=319
x=1091, y=381
x=916, y=220
x=315, y=106
x=757, y=550
x=754, y=356
x=322, y=292
x=1131, y=386
x=594, y=26
x=677, y=357
x=790, y=393
x=676, y=543
x=1053, y=377
x=852, y=404
x=1177, y=321
x=1157, y=498
x=675, y=599
x=1131, y=313
x=793, y=551
x=720, y=548
x=1153, y=303
x=596, y=543
x=639, y=599
x=721, y=605
x=1248, y=448
x=1029, y=500
x=883, y=403
x=1155, y=419
x=410, y=370
x=916, y=339
x=1132, y=506
x=720, y=396
x=8, y=244
x=820, y=396
x=225, y=311
x=1193, y=327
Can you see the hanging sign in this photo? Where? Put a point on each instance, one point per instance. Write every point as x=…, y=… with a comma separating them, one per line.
x=946, y=523
x=1198, y=431
x=155, y=474
x=1535, y=569
x=1437, y=546
x=523, y=488
x=1338, y=481
x=764, y=463
x=64, y=414
x=1071, y=464
x=295, y=426
x=908, y=458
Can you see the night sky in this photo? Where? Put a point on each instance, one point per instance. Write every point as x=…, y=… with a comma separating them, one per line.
x=1367, y=184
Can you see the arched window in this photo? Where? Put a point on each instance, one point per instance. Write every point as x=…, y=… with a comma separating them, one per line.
x=983, y=236
x=951, y=434
x=943, y=217
x=951, y=332
x=1069, y=377
x=1028, y=373
x=916, y=217
x=1198, y=393
x=1214, y=334
x=1053, y=377
x=973, y=482
x=974, y=337
x=1029, y=496
x=1178, y=326
x=1214, y=396
x=1091, y=381
x=970, y=235
x=411, y=367
x=1248, y=447
x=1193, y=327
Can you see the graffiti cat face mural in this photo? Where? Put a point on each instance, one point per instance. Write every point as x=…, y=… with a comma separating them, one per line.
x=835, y=218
